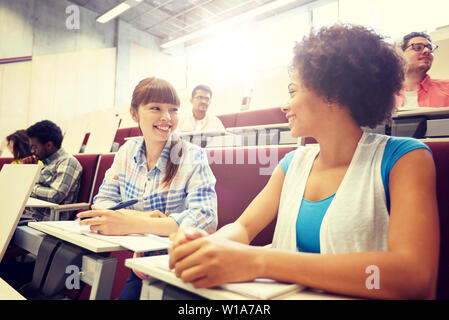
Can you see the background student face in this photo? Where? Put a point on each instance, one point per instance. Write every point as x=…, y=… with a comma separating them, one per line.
x=41, y=150
x=200, y=102
x=420, y=61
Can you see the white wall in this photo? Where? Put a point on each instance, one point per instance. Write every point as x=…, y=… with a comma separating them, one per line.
x=72, y=72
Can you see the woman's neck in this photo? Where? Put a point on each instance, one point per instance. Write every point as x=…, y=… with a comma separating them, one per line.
x=153, y=150
x=338, y=144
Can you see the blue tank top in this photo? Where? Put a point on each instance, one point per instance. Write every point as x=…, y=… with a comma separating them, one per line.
x=311, y=213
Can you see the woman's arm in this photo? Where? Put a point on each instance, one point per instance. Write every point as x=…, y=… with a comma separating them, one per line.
x=120, y=222
x=260, y=212
x=408, y=269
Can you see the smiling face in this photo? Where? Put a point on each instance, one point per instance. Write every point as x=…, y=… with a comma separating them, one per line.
x=418, y=61
x=156, y=120
x=305, y=110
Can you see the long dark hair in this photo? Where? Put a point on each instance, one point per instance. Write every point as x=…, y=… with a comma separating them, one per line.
x=158, y=90
x=21, y=147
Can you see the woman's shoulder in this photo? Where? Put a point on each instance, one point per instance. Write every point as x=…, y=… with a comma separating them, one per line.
x=395, y=144
x=192, y=150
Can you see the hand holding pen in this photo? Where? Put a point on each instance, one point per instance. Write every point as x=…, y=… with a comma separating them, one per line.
x=118, y=206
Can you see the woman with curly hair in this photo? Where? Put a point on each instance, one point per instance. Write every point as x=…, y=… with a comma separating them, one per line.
x=358, y=201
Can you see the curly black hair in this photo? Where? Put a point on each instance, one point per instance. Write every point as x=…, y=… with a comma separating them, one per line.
x=354, y=67
x=45, y=131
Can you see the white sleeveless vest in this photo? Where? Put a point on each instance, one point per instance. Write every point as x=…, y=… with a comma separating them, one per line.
x=357, y=218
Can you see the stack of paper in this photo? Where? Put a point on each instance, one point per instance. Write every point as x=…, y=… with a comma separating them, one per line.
x=133, y=242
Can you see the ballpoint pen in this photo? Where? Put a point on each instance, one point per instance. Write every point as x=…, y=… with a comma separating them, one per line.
x=118, y=206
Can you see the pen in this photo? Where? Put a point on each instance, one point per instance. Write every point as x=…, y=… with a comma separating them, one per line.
x=118, y=206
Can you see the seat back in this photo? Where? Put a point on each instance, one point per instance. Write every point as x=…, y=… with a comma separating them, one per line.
x=440, y=151
x=241, y=174
x=89, y=162
x=135, y=132
x=5, y=161
x=104, y=164
x=121, y=134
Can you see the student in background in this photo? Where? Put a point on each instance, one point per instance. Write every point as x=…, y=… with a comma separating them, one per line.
x=59, y=180
x=419, y=90
x=18, y=144
x=357, y=201
x=199, y=121
x=170, y=178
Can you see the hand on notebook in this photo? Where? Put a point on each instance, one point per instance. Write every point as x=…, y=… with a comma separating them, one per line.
x=110, y=222
x=212, y=261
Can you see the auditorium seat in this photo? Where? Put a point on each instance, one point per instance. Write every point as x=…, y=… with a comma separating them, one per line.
x=440, y=152
x=135, y=132
x=121, y=134
x=104, y=164
x=5, y=161
x=122, y=272
x=238, y=184
x=89, y=162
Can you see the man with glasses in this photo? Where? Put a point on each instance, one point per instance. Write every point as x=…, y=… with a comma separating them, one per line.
x=198, y=120
x=419, y=90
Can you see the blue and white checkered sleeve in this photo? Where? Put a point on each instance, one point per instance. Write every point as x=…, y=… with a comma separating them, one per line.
x=201, y=200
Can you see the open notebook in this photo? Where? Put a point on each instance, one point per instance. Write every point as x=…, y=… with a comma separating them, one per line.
x=133, y=242
x=258, y=288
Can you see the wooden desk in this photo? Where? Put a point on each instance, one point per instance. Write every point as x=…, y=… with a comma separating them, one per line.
x=283, y=125
x=153, y=289
x=9, y=293
x=81, y=240
x=98, y=270
x=37, y=203
x=431, y=112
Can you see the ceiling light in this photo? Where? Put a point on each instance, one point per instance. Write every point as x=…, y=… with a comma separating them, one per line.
x=226, y=23
x=117, y=10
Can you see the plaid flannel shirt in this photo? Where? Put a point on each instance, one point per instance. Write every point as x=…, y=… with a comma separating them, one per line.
x=190, y=199
x=59, y=182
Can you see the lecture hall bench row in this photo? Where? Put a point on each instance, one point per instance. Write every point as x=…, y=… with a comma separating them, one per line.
x=238, y=184
x=240, y=119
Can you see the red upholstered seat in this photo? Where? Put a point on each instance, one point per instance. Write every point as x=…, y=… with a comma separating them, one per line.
x=89, y=163
x=121, y=134
x=104, y=164
x=121, y=272
x=5, y=161
x=440, y=152
x=135, y=132
x=238, y=184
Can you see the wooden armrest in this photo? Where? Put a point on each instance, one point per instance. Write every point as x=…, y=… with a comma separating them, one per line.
x=72, y=206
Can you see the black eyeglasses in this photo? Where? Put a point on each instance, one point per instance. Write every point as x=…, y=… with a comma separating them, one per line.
x=420, y=47
x=205, y=99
